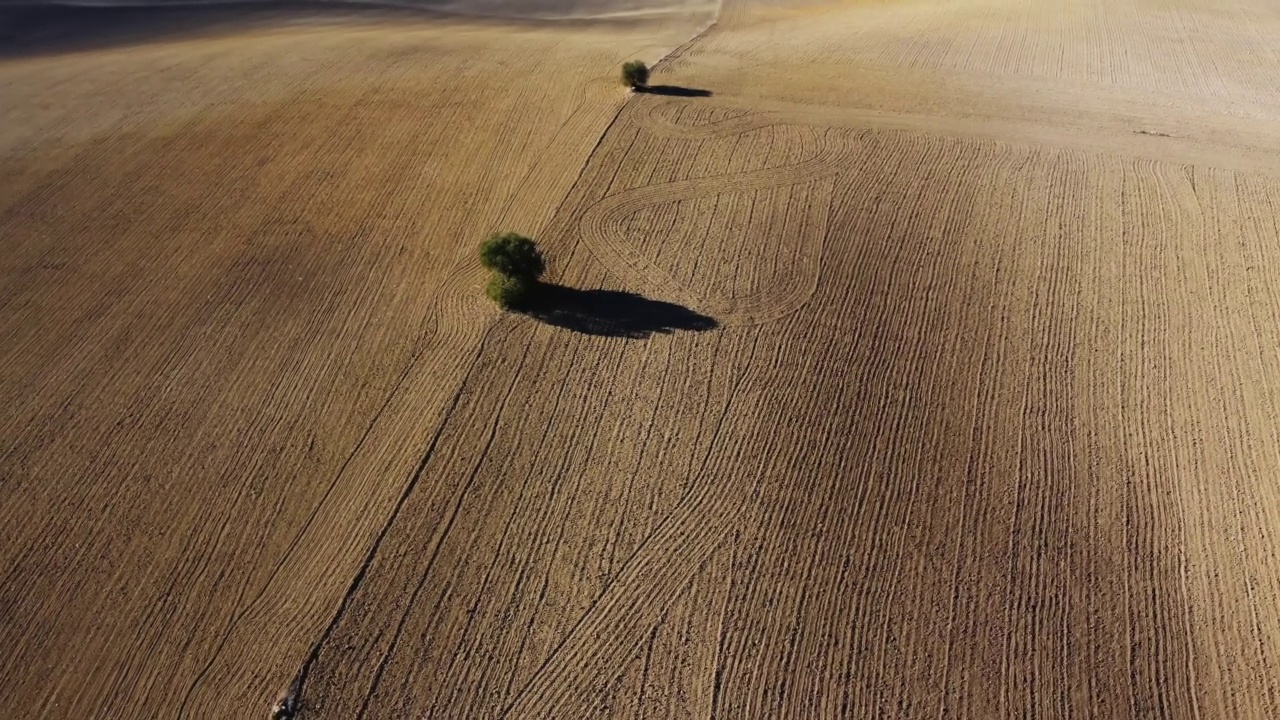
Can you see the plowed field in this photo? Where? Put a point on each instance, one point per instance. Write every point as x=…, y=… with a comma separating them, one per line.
x=902, y=359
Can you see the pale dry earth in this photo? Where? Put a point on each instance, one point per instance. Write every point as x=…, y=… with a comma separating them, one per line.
x=946, y=382
x=238, y=295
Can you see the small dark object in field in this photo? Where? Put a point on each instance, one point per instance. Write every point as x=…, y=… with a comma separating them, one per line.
x=284, y=709
x=635, y=74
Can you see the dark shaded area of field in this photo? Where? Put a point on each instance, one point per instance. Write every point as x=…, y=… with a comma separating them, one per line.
x=32, y=28
x=29, y=28
x=614, y=313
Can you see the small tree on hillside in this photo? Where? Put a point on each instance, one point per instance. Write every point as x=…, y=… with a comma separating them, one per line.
x=516, y=264
x=512, y=255
x=635, y=74
x=508, y=291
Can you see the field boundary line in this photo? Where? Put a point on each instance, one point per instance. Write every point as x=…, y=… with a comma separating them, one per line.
x=299, y=681
x=680, y=49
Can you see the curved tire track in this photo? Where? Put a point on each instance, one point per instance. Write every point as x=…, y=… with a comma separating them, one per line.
x=601, y=222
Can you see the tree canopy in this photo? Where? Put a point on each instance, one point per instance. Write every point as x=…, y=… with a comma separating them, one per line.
x=635, y=74
x=512, y=255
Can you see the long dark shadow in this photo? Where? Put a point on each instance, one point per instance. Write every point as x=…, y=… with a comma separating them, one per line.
x=612, y=313
x=674, y=91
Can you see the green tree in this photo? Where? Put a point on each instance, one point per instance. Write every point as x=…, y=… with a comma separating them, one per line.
x=635, y=74
x=512, y=255
x=508, y=291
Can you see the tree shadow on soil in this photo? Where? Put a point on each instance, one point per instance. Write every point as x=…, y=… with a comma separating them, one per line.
x=674, y=91
x=612, y=313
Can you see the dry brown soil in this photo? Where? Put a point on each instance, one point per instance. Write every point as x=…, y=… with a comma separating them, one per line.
x=906, y=359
